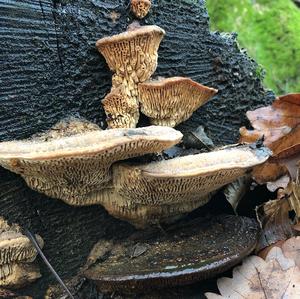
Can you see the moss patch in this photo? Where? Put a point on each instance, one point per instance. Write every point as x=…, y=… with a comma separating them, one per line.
x=270, y=31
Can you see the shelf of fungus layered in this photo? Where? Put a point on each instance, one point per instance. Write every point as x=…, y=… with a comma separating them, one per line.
x=53, y=72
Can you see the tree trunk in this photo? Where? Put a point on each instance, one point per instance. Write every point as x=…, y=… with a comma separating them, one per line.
x=50, y=69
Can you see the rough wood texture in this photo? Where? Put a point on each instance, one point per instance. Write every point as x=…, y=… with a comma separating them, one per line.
x=50, y=69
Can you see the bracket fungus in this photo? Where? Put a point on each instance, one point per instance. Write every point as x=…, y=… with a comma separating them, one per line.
x=121, y=111
x=187, y=253
x=132, y=56
x=171, y=101
x=16, y=256
x=140, y=8
x=146, y=194
x=70, y=168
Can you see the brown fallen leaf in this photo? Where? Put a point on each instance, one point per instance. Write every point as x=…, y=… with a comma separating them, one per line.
x=275, y=121
x=279, y=124
x=274, y=220
x=275, y=277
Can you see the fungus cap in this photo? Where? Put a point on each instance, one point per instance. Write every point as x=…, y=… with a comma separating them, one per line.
x=140, y=8
x=171, y=101
x=149, y=194
x=14, y=246
x=132, y=50
x=16, y=256
x=185, y=254
x=69, y=168
x=121, y=110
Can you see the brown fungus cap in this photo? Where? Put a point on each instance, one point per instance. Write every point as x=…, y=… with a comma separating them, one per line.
x=162, y=191
x=121, y=111
x=70, y=168
x=16, y=255
x=14, y=246
x=183, y=255
x=132, y=56
x=140, y=8
x=171, y=101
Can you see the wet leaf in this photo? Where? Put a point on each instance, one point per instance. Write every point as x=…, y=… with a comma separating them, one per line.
x=275, y=277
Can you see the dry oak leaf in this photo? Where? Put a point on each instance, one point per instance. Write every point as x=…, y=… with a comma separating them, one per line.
x=273, y=278
x=278, y=124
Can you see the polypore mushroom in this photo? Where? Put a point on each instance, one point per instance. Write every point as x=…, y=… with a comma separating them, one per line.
x=140, y=8
x=184, y=255
x=70, y=168
x=121, y=111
x=132, y=56
x=168, y=102
x=161, y=191
x=16, y=256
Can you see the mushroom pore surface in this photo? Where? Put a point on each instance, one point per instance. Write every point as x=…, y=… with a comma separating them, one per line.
x=140, y=8
x=168, y=102
x=16, y=256
x=69, y=168
x=132, y=56
x=146, y=194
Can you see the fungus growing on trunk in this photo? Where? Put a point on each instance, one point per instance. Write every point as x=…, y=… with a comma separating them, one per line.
x=121, y=111
x=70, y=168
x=16, y=257
x=132, y=56
x=185, y=254
x=163, y=191
x=140, y=8
x=171, y=101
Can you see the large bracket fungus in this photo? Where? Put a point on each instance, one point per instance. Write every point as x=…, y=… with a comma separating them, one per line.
x=17, y=255
x=132, y=56
x=140, y=8
x=171, y=101
x=70, y=168
x=185, y=254
x=163, y=191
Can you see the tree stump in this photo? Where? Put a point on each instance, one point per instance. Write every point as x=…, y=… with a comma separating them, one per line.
x=50, y=69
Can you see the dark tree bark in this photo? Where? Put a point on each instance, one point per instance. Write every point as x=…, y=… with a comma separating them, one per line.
x=50, y=69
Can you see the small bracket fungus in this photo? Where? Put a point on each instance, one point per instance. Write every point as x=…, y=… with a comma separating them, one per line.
x=140, y=8
x=168, y=102
x=132, y=56
x=16, y=257
x=70, y=168
x=121, y=111
x=185, y=254
x=162, y=191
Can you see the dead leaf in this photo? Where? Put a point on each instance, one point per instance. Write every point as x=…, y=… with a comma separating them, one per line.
x=235, y=191
x=279, y=124
x=291, y=249
x=273, y=278
x=274, y=121
x=280, y=183
x=275, y=222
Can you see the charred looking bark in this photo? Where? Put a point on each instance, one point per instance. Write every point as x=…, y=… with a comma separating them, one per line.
x=50, y=69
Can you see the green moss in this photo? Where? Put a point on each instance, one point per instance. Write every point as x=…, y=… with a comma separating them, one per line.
x=270, y=31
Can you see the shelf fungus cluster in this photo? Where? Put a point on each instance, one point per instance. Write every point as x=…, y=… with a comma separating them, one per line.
x=17, y=255
x=75, y=167
x=132, y=56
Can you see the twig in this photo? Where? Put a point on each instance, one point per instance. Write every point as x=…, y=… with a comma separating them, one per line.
x=31, y=237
